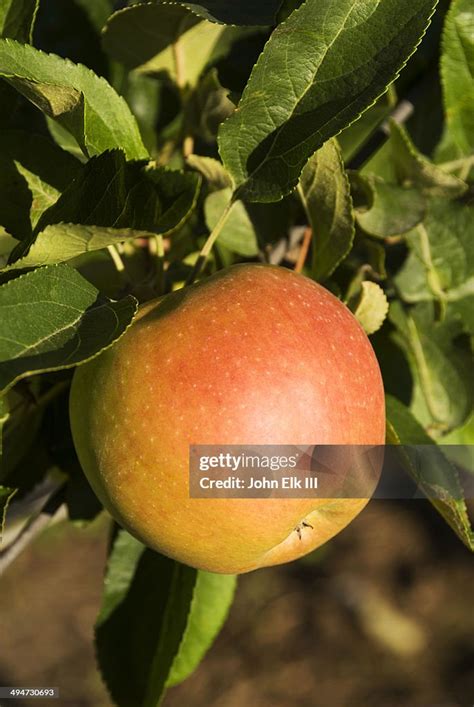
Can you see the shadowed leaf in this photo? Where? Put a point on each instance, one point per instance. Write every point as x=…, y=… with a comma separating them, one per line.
x=157, y=620
x=404, y=429
x=53, y=318
x=17, y=19
x=325, y=192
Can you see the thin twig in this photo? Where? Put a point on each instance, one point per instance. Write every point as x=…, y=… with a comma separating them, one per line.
x=117, y=258
x=303, y=254
x=462, y=163
x=119, y=264
x=180, y=72
x=54, y=511
x=207, y=247
x=157, y=250
x=34, y=404
x=52, y=393
x=188, y=146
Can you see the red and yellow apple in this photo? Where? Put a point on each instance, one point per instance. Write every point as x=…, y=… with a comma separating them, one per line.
x=253, y=355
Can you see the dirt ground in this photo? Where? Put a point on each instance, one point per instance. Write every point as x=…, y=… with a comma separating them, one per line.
x=381, y=617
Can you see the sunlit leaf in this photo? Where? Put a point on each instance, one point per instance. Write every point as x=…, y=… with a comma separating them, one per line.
x=318, y=72
x=238, y=233
x=83, y=103
x=370, y=307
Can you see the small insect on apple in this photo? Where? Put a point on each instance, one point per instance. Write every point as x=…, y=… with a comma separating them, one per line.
x=300, y=526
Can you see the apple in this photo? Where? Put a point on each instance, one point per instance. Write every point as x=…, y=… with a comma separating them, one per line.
x=252, y=355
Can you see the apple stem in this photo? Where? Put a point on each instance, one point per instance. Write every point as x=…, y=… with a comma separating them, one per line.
x=207, y=247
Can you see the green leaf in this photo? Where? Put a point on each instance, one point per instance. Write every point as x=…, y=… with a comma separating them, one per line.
x=177, y=194
x=413, y=169
x=286, y=8
x=370, y=307
x=61, y=242
x=238, y=233
x=244, y=12
x=376, y=257
x=64, y=139
x=464, y=309
x=356, y=135
x=110, y=201
x=404, y=429
x=457, y=71
x=213, y=594
x=441, y=263
x=325, y=193
x=6, y=494
x=458, y=444
x=461, y=435
x=43, y=195
x=16, y=200
x=394, y=210
x=158, y=617
x=318, y=72
x=440, y=366
x=208, y=107
x=52, y=319
x=103, y=195
x=212, y=170
x=156, y=38
x=97, y=11
x=17, y=19
x=33, y=170
x=83, y=103
x=7, y=243
x=144, y=95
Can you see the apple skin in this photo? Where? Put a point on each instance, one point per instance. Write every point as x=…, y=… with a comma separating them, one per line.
x=255, y=354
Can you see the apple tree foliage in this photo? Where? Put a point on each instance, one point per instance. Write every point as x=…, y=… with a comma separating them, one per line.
x=145, y=143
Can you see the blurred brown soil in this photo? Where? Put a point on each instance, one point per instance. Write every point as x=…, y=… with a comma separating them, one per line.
x=380, y=617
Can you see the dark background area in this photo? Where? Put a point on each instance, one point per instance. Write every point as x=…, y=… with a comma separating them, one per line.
x=382, y=615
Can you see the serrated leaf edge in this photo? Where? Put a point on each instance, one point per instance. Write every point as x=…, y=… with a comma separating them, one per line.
x=66, y=366
x=260, y=59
